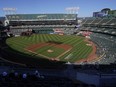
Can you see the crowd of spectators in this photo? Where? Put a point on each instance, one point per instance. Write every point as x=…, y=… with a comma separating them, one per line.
x=108, y=45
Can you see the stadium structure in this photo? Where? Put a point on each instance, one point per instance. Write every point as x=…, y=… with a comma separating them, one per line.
x=60, y=46
x=41, y=23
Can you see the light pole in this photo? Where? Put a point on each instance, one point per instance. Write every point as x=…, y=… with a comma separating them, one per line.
x=9, y=11
x=72, y=10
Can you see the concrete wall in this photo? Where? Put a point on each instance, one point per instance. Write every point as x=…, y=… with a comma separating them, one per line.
x=88, y=78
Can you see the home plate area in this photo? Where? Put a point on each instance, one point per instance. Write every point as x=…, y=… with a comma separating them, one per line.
x=50, y=51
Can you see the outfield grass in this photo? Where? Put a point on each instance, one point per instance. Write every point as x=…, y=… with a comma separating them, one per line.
x=79, y=48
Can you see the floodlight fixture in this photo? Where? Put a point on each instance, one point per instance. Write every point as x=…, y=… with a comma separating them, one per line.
x=72, y=10
x=9, y=10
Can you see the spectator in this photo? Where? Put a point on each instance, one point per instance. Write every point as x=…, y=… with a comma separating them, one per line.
x=4, y=74
x=24, y=76
x=37, y=74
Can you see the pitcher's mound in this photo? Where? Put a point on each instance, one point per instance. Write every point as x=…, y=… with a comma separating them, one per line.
x=50, y=51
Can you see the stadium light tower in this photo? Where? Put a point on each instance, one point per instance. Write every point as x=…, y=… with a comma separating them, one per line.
x=9, y=10
x=72, y=10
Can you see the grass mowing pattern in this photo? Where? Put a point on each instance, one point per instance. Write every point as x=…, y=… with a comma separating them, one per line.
x=79, y=48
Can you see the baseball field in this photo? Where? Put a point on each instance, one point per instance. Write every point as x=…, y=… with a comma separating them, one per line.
x=52, y=46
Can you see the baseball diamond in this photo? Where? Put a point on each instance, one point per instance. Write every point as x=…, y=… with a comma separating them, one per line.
x=53, y=46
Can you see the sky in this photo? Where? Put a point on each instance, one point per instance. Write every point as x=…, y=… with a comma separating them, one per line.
x=87, y=7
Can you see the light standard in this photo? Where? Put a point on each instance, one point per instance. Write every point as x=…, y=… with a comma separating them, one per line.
x=72, y=10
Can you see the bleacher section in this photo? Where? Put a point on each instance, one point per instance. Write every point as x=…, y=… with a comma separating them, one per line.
x=95, y=21
x=100, y=22
x=111, y=22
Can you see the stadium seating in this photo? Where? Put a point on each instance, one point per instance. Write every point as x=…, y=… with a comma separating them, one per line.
x=40, y=22
x=99, y=22
x=42, y=16
x=108, y=45
x=96, y=21
x=111, y=22
x=104, y=35
x=103, y=21
x=17, y=79
x=88, y=21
